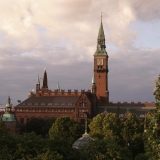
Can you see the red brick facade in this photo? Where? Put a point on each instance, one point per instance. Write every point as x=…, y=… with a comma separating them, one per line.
x=101, y=77
x=56, y=104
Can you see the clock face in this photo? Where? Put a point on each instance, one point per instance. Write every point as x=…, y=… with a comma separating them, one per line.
x=100, y=62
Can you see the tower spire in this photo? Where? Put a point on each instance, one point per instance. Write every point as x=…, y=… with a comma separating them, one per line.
x=58, y=87
x=45, y=81
x=101, y=41
x=38, y=83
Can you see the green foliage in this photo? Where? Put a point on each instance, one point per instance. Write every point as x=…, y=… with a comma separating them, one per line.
x=157, y=92
x=35, y=125
x=152, y=135
x=7, y=146
x=40, y=126
x=63, y=148
x=111, y=126
x=132, y=131
x=141, y=156
x=105, y=149
x=47, y=154
x=29, y=146
x=96, y=126
x=126, y=132
x=66, y=128
x=3, y=129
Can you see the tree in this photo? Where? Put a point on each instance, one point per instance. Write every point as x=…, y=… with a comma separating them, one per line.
x=28, y=146
x=152, y=135
x=111, y=126
x=48, y=122
x=7, y=144
x=152, y=132
x=132, y=131
x=157, y=92
x=66, y=128
x=3, y=129
x=63, y=148
x=40, y=126
x=104, y=149
x=96, y=127
x=35, y=125
x=47, y=154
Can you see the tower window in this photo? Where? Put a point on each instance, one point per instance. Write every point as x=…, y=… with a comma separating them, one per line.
x=99, y=76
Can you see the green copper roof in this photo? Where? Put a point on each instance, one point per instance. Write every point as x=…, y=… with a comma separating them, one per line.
x=101, y=51
x=93, y=80
x=58, y=86
x=101, y=32
x=38, y=81
x=9, y=117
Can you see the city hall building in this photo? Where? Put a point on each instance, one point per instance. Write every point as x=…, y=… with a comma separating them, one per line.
x=77, y=104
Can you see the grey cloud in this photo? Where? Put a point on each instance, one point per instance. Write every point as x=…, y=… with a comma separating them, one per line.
x=61, y=36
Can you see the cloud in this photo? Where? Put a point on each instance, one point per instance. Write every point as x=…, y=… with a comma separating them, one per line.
x=62, y=36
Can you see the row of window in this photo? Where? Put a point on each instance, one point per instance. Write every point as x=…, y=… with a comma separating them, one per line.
x=49, y=104
x=45, y=110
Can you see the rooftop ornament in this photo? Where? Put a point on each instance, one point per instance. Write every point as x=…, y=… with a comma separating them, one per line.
x=85, y=139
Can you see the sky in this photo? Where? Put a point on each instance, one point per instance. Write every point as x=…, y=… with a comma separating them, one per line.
x=61, y=36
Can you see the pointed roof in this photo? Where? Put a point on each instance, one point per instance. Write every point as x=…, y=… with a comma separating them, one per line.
x=58, y=86
x=101, y=51
x=45, y=81
x=8, y=115
x=38, y=81
x=8, y=105
x=93, y=80
x=101, y=32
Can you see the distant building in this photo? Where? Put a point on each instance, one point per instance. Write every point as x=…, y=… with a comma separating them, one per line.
x=10, y=120
x=44, y=102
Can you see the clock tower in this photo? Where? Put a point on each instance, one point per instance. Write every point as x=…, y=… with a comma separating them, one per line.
x=101, y=67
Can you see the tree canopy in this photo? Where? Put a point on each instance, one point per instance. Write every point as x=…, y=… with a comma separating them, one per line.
x=66, y=128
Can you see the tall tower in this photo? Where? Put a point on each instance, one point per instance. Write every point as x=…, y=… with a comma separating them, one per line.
x=101, y=67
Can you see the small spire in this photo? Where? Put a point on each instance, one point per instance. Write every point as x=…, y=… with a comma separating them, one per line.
x=101, y=32
x=85, y=133
x=58, y=86
x=93, y=80
x=9, y=100
x=38, y=80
